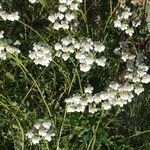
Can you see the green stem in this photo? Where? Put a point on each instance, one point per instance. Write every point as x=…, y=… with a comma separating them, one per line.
x=61, y=129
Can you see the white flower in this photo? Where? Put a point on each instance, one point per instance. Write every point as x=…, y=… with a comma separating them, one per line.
x=146, y=79
x=98, y=47
x=30, y=134
x=65, y=56
x=80, y=1
x=37, y=125
x=89, y=98
x=13, y=16
x=117, y=51
x=60, y=16
x=131, y=57
x=74, y=6
x=114, y=102
x=129, y=31
x=80, y=56
x=129, y=76
x=5, y=49
x=141, y=73
x=2, y=55
x=69, y=100
x=138, y=89
x=89, y=60
x=80, y=108
x=125, y=57
x=32, y=55
x=1, y=34
x=57, y=26
x=62, y=1
x=42, y=132
x=17, y=42
x=47, y=124
x=49, y=136
x=66, y=41
x=96, y=98
x=106, y=105
x=101, y=61
x=70, y=108
x=117, y=23
x=88, y=89
x=52, y=18
x=84, y=102
x=126, y=14
x=41, y=54
x=35, y=140
x=66, y=13
x=71, y=49
x=136, y=23
x=143, y=67
x=124, y=95
x=69, y=2
x=58, y=46
x=136, y=79
x=114, y=86
x=76, y=99
x=62, y=8
x=65, y=49
x=69, y=16
x=58, y=53
x=92, y=109
x=65, y=25
x=129, y=87
x=111, y=94
x=121, y=102
x=76, y=45
x=104, y=96
x=4, y=15
x=85, y=67
x=11, y=49
x=32, y=1
x=124, y=26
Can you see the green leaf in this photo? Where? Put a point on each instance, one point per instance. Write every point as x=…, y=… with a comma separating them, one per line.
x=10, y=76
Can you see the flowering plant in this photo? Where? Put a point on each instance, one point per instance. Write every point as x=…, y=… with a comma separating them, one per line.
x=74, y=74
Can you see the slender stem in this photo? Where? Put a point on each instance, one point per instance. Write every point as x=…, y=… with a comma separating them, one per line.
x=34, y=81
x=26, y=25
x=61, y=129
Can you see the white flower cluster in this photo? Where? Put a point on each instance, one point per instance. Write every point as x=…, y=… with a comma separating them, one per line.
x=123, y=50
x=135, y=76
x=66, y=15
x=8, y=16
x=84, y=50
x=41, y=55
x=5, y=48
x=138, y=75
x=78, y=103
x=41, y=130
x=32, y=1
x=123, y=19
x=116, y=94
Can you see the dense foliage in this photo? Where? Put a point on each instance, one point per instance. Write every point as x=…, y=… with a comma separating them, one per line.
x=74, y=75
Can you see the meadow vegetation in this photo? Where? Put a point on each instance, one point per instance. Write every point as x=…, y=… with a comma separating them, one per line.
x=74, y=75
